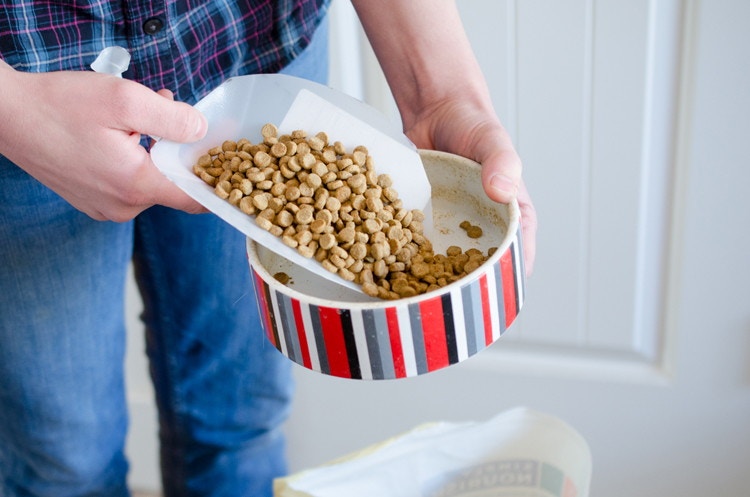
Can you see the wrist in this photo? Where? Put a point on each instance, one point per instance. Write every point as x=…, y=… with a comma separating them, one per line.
x=425, y=67
x=8, y=111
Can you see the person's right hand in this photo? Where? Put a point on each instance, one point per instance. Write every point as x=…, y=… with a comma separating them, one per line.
x=78, y=133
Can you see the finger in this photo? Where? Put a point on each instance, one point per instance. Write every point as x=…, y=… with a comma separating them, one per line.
x=164, y=192
x=173, y=197
x=166, y=94
x=178, y=200
x=169, y=96
x=156, y=114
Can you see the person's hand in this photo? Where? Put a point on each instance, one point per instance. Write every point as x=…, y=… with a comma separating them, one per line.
x=443, y=97
x=477, y=134
x=78, y=133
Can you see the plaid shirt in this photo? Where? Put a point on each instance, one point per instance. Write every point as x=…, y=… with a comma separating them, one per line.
x=187, y=46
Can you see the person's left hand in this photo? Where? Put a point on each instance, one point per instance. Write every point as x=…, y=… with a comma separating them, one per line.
x=476, y=133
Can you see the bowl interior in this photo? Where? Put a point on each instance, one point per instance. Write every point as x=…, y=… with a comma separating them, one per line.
x=457, y=195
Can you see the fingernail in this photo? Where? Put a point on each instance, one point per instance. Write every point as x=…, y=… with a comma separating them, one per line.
x=503, y=184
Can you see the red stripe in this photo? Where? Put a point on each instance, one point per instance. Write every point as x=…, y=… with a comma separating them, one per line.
x=394, y=333
x=509, y=287
x=264, y=308
x=484, y=294
x=433, y=330
x=300, y=327
x=333, y=338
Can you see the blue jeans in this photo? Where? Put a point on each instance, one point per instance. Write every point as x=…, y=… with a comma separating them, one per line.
x=222, y=390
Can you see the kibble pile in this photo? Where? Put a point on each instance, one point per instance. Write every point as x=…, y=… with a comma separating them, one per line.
x=331, y=205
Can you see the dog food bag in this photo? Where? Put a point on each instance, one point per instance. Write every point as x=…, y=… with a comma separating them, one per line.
x=519, y=452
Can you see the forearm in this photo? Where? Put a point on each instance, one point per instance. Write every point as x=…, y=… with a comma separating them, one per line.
x=424, y=52
x=9, y=107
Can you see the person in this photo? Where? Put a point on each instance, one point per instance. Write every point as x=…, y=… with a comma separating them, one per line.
x=80, y=198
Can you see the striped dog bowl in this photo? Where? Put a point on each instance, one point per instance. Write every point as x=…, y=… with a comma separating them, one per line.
x=334, y=330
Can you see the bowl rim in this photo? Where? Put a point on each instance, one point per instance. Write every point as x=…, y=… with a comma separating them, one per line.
x=514, y=217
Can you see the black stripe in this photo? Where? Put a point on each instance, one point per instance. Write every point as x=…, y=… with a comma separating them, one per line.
x=450, y=330
x=319, y=342
x=351, y=345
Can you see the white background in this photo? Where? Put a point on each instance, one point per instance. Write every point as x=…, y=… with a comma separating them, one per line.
x=632, y=121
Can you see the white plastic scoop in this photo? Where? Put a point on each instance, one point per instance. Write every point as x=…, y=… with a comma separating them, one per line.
x=241, y=106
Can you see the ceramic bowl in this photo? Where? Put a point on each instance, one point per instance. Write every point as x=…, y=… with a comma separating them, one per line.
x=336, y=331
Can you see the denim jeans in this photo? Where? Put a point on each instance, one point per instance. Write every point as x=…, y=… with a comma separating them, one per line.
x=222, y=390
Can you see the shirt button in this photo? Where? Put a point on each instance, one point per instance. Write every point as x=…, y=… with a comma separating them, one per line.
x=153, y=26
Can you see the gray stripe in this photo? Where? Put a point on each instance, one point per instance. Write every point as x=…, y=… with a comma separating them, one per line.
x=383, y=337
x=478, y=317
x=286, y=314
x=319, y=345
x=500, y=297
x=384, y=342
x=417, y=334
x=373, y=350
x=471, y=339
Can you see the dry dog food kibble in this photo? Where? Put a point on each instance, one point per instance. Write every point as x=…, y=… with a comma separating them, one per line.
x=331, y=205
x=471, y=230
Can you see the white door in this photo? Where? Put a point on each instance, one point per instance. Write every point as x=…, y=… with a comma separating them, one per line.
x=632, y=119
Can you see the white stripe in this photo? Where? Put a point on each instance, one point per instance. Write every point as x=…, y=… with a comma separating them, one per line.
x=277, y=319
x=492, y=300
x=519, y=275
x=310, y=335
x=407, y=343
x=30, y=30
x=105, y=38
x=232, y=8
x=459, y=324
x=360, y=340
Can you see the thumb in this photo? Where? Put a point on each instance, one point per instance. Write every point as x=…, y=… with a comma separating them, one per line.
x=157, y=114
x=501, y=174
x=492, y=147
